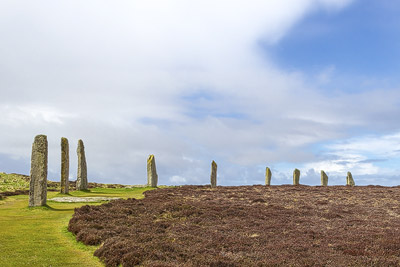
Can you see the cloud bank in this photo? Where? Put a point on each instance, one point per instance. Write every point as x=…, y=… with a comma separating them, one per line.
x=186, y=81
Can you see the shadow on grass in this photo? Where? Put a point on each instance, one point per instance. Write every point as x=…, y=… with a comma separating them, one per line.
x=47, y=207
x=85, y=190
x=54, y=209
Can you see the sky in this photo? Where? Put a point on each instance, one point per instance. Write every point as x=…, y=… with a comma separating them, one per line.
x=307, y=84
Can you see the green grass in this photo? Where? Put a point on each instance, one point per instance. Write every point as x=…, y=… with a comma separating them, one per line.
x=39, y=237
x=12, y=182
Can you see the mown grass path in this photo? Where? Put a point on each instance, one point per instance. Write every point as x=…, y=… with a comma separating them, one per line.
x=39, y=237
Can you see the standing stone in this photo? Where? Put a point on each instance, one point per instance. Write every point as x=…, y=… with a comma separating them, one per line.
x=38, y=183
x=81, y=179
x=324, y=179
x=152, y=177
x=64, y=166
x=296, y=177
x=268, y=175
x=213, y=176
x=350, y=180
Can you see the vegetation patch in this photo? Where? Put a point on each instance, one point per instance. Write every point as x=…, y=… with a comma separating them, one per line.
x=246, y=226
x=13, y=182
x=38, y=236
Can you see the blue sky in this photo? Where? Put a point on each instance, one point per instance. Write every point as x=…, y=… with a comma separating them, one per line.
x=360, y=40
x=307, y=84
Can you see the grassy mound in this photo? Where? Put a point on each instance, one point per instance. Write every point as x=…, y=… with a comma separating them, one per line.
x=13, y=182
x=17, y=184
x=247, y=226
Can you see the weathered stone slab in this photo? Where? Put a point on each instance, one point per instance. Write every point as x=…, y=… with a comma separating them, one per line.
x=268, y=176
x=81, y=179
x=350, y=180
x=64, y=165
x=324, y=179
x=82, y=199
x=38, y=182
x=213, y=177
x=296, y=177
x=152, y=177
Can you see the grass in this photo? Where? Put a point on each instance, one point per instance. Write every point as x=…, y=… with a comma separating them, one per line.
x=12, y=182
x=39, y=237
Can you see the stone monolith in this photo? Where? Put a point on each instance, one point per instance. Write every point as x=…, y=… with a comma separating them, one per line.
x=213, y=177
x=152, y=177
x=324, y=178
x=64, y=166
x=81, y=179
x=350, y=180
x=268, y=176
x=38, y=183
x=296, y=177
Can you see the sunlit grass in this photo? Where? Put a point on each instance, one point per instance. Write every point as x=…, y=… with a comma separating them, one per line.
x=12, y=182
x=39, y=237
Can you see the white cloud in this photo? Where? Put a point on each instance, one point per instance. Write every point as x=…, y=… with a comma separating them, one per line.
x=379, y=146
x=176, y=179
x=365, y=155
x=20, y=115
x=353, y=163
x=182, y=80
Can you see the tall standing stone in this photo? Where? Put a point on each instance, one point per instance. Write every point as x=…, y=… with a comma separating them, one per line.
x=152, y=177
x=296, y=177
x=38, y=183
x=81, y=179
x=64, y=166
x=213, y=177
x=350, y=180
x=268, y=176
x=324, y=179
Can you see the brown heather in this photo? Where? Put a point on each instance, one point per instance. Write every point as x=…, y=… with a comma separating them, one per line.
x=247, y=226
